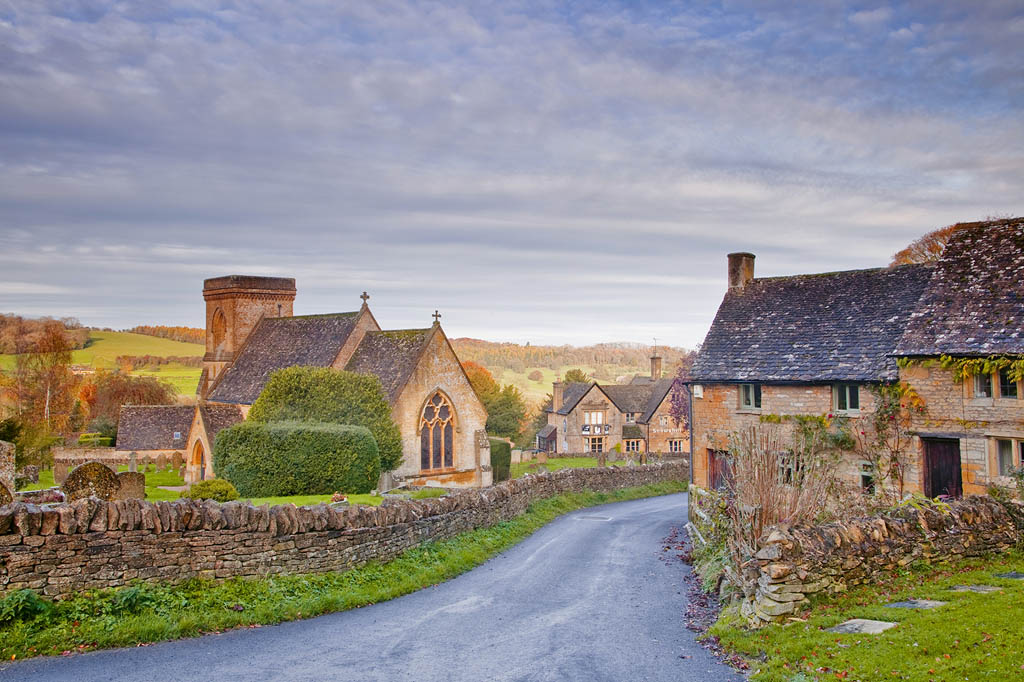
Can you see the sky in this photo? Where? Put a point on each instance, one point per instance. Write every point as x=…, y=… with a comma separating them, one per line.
x=537, y=171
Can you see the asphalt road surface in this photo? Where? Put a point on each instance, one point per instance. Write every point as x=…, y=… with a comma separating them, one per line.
x=591, y=596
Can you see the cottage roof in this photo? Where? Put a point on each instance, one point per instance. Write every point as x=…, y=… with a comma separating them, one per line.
x=153, y=427
x=572, y=394
x=548, y=431
x=280, y=342
x=659, y=390
x=391, y=356
x=640, y=399
x=837, y=326
x=974, y=303
x=219, y=417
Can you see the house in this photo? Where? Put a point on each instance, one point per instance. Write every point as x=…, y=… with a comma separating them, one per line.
x=251, y=332
x=589, y=417
x=817, y=344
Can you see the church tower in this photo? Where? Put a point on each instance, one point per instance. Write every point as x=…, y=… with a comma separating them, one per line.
x=234, y=305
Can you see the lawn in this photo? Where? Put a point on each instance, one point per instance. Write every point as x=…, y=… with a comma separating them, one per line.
x=153, y=612
x=973, y=637
x=555, y=463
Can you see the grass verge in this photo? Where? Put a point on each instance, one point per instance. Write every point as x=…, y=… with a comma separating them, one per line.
x=974, y=636
x=144, y=613
x=555, y=463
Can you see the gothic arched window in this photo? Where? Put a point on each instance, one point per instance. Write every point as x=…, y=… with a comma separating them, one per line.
x=219, y=329
x=437, y=433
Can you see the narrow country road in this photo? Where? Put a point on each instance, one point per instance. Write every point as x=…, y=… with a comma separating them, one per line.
x=592, y=596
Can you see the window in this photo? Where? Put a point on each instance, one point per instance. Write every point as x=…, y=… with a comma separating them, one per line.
x=750, y=396
x=982, y=385
x=177, y=435
x=630, y=418
x=1004, y=455
x=565, y=425
x=632, y=445
x=595, y=444
x=676, y=446
x=593, y=418
x=437, y=434
x=664, y=420
x=847, y=397
x=1007, y=387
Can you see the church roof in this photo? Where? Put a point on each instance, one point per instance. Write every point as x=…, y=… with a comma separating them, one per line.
x=837, y=326
x=153, y=427
x=280, y=342
x=974, y=303
x=216, y=418
x=391, y=356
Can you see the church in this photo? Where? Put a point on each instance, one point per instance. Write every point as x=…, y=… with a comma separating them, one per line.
x=251, y=332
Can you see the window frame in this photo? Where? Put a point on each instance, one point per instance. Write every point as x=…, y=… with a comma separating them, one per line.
x=631, y=445
x=675, y=445
x=630, y=417
x=754, y=393
x=1010, y=442
x=843, y=392
x=989, y=392
x=1008, y=382
x=592, y=440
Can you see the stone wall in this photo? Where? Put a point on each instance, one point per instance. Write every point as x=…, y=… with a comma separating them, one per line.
x=7, y=465
x=62, y=549
x=791, y=565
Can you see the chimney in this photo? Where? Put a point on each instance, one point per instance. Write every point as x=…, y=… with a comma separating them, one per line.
x=741, y=270
x=655, y=367
x=556, y=395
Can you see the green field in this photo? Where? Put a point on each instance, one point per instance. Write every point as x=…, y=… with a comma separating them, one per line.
x=105, y=347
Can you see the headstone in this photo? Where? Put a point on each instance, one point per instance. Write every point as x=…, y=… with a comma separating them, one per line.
x=133, y=486
x=1012, y=575
x=92, y=479
x=980, y=589
x=177, y=459
x=161, y=463
x=386, y=481
x=542, y=458
x=602, y=459
x=517, y=456
x=60, y=472
x=916, y=604
x=7, y=464
x=149, y=466
x=181, y=472
x=643, y=458
x=862, y=626
x=133, y=463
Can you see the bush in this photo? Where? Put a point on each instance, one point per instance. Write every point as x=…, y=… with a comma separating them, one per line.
x=214, y=489
x=95, y=440
x=324, y=395
x=501, y=459
x=22, y=605
x=297, y=458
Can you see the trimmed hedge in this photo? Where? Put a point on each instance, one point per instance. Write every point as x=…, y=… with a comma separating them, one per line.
x=297, y=458
x=501, y=459
x=216, y=489
x=313, y=394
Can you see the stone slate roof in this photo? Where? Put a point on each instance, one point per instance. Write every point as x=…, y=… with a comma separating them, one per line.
x=572, y=393
x=659, y=390
x=279, y=342
x=219, y=417
x=629, y=398
x=547, y=432
x=838, y=326
x=391, y=356
x=152, y=427
x=974, y=303
x=632, y=432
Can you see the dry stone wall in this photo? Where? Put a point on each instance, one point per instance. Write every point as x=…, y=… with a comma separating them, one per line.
x=7, y=465
x=62, y=549
x=792, y=565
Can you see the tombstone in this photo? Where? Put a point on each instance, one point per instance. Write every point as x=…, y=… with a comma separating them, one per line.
x=602, y=459
x=92, y=479
x=161, y=463
x=542, y=458
x=7, y=465
x=862, y=626
x=517, y=456
x=386, y=481
x=979, y=589
x=177, y=459
x=133, y=464
x=60, y=472
x=149, y=466
x=181, y=472
x=916, y=604
x=643, y=458
x=133, y=486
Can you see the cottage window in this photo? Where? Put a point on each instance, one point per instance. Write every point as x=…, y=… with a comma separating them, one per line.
x=664, y=420
x=1004, y=455
x=437, y=434
x=594, y=444
x=847, y=397
x=982, y=385
x=676, y=446
x=750, y=396
x=594, y=418
x=632, y=445
x=1007, y=387
x=630, y=418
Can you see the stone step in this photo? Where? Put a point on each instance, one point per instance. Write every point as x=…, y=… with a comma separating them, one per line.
x=1012, y=575
x=862, y=626
x=980, y=589
x=916, y=604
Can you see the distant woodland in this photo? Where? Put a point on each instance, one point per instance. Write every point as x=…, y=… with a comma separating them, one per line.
x=23, y=335
x=183, y=334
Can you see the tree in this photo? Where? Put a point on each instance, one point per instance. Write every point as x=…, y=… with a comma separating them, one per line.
x=44, y=380
x=679, y=398
x=482, y=381
x=535, y=375
x=506, y=413
x=104, y=395
x=325, y=395
x=927, y=248
x=576, y=375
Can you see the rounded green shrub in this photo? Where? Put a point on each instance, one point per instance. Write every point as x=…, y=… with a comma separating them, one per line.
x=501, y=459
x=325, y=395
x=297, y=458
x=212, y=489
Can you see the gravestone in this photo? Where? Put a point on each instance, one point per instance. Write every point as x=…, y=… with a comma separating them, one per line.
x=30, y=472
x=161, y=463
x=133, y=486
x=60, y=472
x=7, y=464
x=177, y=459
x=542, y=458
x=980, y=589
x=1012, y=575
x=916, y=604
x=133, y=461
x=643, y=458
x=857, y=626
x=602, y=459
x=92, y=479
x=517, y=456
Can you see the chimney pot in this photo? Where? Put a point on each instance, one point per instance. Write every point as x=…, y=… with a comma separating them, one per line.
x=655, y=368
x=741, y=270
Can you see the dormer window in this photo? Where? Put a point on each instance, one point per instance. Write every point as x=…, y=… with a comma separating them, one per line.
x=750, y=396
x=630, y=417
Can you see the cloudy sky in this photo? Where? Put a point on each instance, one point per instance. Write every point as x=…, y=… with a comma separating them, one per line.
x=545, y=172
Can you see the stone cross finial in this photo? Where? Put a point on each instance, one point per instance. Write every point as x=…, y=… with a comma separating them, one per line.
x=365, y=297
x=437, y=317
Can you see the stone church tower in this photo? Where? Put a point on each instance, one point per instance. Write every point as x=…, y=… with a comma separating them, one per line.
x=234, y=306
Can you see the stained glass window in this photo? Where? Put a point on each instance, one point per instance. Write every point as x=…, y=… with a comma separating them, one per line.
x=437, y=434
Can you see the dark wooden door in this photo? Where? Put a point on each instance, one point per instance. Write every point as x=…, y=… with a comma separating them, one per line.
x=718, y=469
x=942, y=468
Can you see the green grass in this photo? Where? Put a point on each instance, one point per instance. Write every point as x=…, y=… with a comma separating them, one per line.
x=975, y=636
x=555, y=463
x=151, y=613
x=184, y=379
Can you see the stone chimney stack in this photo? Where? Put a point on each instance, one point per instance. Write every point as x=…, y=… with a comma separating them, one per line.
x=556, y=395
x=741, y=271
x=655, y=367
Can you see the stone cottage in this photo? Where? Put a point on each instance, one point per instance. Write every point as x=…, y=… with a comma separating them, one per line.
x=586, y=418
x=251, y=332
x=816, y=344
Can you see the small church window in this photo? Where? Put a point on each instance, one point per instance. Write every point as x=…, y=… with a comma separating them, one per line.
x=437, y=434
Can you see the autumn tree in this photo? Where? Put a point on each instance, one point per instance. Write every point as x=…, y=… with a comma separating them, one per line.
x=927, y=248
x=506, y=408
x=111, y=390
x=44, y=382
x=576, y=375
x=535, y=375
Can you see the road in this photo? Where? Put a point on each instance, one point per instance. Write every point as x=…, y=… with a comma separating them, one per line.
x=591, y=596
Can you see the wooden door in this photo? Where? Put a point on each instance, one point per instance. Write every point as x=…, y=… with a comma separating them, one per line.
x=942, y=474
x=718, y=469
